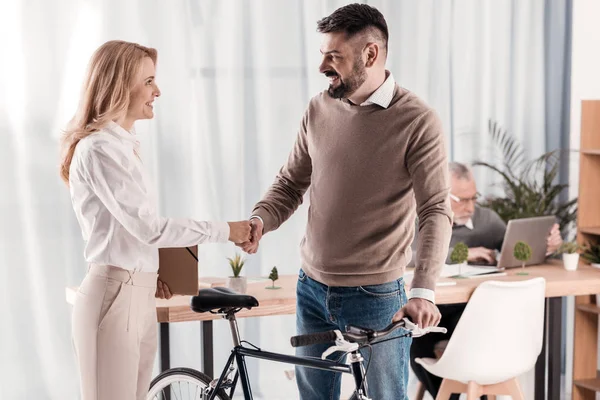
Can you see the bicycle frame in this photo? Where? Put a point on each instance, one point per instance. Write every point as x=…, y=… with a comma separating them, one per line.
x=238, y=355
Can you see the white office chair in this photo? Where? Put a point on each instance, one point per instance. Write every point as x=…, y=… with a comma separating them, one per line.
x=498, y=338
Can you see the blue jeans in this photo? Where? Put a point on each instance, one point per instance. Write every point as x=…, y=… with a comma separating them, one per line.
x=322, y=308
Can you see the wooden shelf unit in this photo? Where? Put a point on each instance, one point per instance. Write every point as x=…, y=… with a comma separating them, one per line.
x=592, y=385
x=589, y=308
x=586, y=381
x=591, y=230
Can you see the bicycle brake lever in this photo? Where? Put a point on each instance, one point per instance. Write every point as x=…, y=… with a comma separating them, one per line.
x=418, y=332
x=341, y=344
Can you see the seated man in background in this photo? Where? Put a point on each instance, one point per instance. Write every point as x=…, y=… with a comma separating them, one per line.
x=482, y=230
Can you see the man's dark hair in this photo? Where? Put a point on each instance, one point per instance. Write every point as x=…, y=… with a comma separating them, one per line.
x=355, y=18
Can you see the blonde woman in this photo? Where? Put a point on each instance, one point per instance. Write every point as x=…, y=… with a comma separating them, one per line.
x=114, y=316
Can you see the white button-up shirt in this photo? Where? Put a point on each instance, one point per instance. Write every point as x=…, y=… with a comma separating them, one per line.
x=116, y=209
x=384, y=94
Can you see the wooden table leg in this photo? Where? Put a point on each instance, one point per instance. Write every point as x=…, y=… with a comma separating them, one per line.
x=165, y=351
x=540, y=365
x=554, y=346
x=206, y=328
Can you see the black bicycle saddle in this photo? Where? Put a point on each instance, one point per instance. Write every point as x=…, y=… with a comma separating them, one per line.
x=220, y=299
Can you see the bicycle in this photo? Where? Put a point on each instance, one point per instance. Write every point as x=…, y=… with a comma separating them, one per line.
x=225, y=302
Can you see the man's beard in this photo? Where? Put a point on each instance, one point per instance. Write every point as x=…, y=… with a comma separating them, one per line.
x=351, y=84
x=462, y=220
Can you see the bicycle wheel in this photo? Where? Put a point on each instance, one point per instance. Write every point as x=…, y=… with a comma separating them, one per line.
x=181, y=384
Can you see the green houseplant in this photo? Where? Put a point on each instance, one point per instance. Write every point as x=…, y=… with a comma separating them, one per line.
x=237, y=282
x=522, y=252
x=530, y=186
x=459, y=255
x=591, y=253
x=570, y=255
x=273, y=276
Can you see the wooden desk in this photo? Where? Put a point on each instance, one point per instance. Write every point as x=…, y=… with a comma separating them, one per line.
x=272, y=302
x=559, y=283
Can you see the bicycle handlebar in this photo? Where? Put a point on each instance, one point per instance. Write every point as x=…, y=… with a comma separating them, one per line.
x=313, y=338
x=355, y=334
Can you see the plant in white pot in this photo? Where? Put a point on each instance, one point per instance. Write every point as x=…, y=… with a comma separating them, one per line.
x=522, y=252
x=591, y=253
x=236, y=282
x=459, y=255
x=570, y=255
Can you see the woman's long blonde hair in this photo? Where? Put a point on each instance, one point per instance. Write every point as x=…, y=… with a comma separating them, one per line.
x=105, y=94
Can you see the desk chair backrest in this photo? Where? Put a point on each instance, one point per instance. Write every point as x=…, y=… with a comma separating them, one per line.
x=499, y=335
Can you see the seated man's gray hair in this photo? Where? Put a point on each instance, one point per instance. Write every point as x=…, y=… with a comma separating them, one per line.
x=460, y=171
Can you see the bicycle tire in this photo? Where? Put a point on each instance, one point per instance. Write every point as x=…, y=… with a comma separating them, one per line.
x=169, y=376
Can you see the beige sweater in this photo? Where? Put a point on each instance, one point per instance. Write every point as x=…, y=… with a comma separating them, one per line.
x=371, y=171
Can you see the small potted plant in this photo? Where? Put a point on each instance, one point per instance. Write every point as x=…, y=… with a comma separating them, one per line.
x=522, y=252
x=591, y=253
x=236, y=282
x=459, y=255
x=273, y=276
x=570, y=255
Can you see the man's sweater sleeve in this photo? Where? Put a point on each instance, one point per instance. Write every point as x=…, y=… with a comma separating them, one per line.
x=286, y=193
x=427, y=163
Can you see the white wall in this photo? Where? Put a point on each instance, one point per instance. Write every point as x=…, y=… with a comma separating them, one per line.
x=585, y=85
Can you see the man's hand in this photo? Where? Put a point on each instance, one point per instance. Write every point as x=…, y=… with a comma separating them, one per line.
x=553, y=241
x=481, y=254
x=239, y=232
x=251, y=246
x=420, y=311
x=162, y=290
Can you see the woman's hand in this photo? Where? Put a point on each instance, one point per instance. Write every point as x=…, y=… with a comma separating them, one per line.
x=239, y=232
x=162, y=290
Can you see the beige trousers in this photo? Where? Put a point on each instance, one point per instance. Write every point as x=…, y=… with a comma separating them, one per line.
x=114, y=333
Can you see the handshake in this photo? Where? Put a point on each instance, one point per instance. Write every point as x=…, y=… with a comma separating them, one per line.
x=246, y=234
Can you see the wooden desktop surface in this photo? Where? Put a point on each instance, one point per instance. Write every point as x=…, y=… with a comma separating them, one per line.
x=559, y=282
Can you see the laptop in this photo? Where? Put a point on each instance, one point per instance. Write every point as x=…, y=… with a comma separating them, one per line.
x=532, y=231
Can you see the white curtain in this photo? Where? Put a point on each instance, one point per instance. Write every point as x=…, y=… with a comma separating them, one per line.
x=235, y=76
